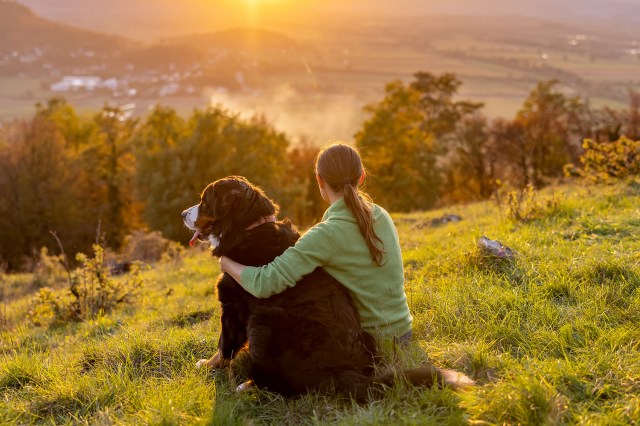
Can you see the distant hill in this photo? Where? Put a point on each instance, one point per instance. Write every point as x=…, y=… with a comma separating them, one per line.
x=193, y=48
x=239, y=39
x=23, y=31
x=565, y=10
x=31, y=45
x=163, y=18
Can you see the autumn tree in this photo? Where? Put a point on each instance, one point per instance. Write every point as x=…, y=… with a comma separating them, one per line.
x=80, y=134
x=304, y=204
x=441, y=112
x=178, y=158
x=471, y=164
x=399, y=153
x=406, y=134
x=39, y=191
x=545, y=142
x=113, y=162
x=632, y=129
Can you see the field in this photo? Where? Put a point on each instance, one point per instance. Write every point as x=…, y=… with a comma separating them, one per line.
x=551, y=338
x=319, y=89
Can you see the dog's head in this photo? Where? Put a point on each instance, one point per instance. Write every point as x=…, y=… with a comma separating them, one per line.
x=227, y=207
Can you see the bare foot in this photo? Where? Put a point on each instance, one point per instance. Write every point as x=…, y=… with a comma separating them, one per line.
x=216, y=361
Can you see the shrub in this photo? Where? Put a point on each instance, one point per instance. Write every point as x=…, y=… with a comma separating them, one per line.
x=150, y=247
x=603, y=161
x=96, y=291
x=48, y=270
x=144, y=246
x=524, y=205
x=47, y=307
x=92, y=291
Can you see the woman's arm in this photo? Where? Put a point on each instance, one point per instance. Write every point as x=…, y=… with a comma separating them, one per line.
x=313, y=249
x=232, y=268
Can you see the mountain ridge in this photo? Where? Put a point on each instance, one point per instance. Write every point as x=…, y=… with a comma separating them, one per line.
x=173, y=17
x=22, y=30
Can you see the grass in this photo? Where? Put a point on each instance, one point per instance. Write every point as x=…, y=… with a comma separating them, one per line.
x=551, y=338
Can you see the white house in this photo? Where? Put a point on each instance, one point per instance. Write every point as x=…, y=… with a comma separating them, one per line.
x=72, y=82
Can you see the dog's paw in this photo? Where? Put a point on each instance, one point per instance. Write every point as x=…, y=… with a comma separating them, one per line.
x=245, y=386
x=216, y=361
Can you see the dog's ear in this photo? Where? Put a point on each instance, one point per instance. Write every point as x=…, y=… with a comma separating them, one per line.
x=223, y=204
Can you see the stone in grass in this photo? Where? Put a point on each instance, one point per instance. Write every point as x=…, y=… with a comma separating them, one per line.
x=438, y=221
x=495, y=248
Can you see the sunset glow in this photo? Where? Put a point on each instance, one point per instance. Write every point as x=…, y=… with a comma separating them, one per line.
x=142, y=142
x=257, y=12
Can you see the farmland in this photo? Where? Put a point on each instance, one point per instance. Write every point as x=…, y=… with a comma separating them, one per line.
x=313, y=81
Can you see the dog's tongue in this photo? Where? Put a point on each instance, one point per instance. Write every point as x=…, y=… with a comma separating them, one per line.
x=194, y=240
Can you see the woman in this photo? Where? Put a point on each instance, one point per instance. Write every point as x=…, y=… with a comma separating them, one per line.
x=356, y=242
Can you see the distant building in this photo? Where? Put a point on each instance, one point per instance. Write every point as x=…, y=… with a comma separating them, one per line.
x=169, y=89
x=89, y=83
x=110, y=83
x=71, y=82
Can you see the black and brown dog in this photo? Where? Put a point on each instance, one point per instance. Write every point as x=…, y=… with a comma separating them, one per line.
x=305, y=338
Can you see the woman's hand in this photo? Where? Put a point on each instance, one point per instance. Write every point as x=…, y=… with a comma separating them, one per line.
x=232, y=268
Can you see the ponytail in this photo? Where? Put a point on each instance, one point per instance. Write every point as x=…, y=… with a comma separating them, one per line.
x=354, y=200
x=340, y=167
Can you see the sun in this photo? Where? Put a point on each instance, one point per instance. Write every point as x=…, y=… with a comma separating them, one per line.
x=256, y=9
x=260, y=3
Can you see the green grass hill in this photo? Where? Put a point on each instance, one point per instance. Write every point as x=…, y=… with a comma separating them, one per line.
x=551, y=338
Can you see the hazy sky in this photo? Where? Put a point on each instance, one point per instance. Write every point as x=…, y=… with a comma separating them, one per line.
x=180, y=16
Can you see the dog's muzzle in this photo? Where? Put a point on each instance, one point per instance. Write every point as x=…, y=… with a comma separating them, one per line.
x=189, y=216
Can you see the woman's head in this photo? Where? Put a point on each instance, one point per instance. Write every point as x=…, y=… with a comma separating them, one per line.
x=340, y=167
x=339, y=164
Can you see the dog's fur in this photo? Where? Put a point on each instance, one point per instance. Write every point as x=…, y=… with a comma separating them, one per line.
x=306, y=338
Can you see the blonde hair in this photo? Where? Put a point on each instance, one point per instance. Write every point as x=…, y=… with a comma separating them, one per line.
x=340, y=167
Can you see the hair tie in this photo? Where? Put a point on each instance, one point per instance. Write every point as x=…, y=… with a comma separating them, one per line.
x=347, y=182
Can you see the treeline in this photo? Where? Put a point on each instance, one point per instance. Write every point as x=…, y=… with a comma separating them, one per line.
x=424, y=147
x=82, y=177
x=108, y=175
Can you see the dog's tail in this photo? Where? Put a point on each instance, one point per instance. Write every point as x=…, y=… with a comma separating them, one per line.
x=426, y=376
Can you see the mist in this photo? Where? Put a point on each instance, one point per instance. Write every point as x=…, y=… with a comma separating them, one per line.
x=316, y=119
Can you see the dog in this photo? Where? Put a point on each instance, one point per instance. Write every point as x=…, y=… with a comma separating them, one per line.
x=307, y=338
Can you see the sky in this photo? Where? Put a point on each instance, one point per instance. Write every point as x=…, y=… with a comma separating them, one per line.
x=183, y=16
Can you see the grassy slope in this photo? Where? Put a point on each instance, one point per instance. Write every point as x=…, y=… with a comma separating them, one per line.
x=552, y=339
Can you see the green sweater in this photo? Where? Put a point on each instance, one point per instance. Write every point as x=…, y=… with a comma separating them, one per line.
x=337, y=245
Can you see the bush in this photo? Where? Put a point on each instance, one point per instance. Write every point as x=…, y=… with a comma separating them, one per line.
x=524, y=205
x=150, y=247
x=48, y=270
x=603, y=161
x=92, y=291
x=95, y=291
x=47, y=307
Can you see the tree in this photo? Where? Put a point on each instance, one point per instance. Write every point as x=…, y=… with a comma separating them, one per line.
x=548, y=143
x=471, y=169
x=441, y=112
x=113, y=162
x=77, y=133
x=38, y=183
x=177, y=159
x=304, y=203
x=632, y=116
x=513, y=161
x=398, y=151
x=406, y=136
